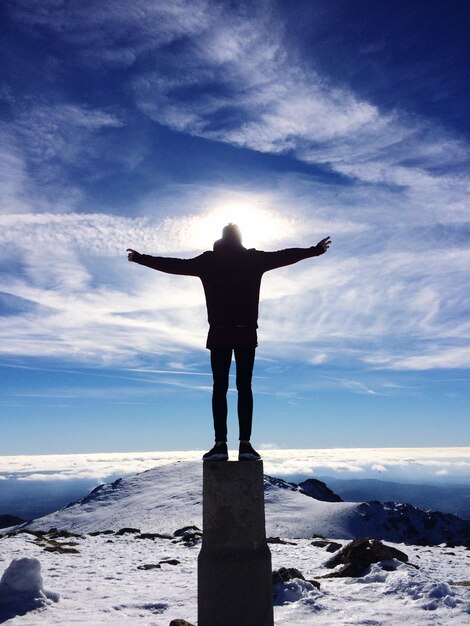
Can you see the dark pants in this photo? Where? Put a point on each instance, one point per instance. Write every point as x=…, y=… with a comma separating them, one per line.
x=220, y=363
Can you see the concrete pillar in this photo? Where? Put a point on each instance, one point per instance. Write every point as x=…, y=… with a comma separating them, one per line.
x=234, y=564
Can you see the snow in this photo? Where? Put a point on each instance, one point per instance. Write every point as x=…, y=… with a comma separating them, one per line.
x=293, y=591
x=101, y=582
x=168, y=497
x=22, y=590
x=103, y=585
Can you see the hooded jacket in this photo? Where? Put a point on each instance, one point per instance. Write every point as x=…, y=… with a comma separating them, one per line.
x=231, y=277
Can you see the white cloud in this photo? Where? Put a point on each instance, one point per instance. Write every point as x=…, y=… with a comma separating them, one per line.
x=115, y=33
x=269, y=101
x=378, y=467
x=38, y=147
x=82, y=298
x=244, y=84
x=386, y=276
x=61, y=131
x=419, y=464
x=53, y=476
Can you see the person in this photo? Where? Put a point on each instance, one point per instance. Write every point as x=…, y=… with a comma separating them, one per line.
x=231, y=277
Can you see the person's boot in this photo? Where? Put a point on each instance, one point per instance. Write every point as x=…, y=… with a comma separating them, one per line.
x=218, y=453
x=247, y=453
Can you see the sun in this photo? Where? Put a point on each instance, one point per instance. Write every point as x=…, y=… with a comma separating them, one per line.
x=259, y=226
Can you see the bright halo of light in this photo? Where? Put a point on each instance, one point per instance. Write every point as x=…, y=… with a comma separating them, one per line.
x=259, y=227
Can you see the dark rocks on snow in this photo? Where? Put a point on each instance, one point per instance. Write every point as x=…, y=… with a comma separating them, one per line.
x=189, y=535
x=284, y=574
x=125, y=531
x=180, y=622
x=182, y=532
x=53, y=533
x=281, y=541
x=60, y=548
x=153, y=536
x=319, y=490
x=331, y=546
x=357, y=556
x=159, y=564
x=26, y=531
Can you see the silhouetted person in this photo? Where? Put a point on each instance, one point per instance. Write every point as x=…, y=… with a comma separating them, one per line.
x=231, y=276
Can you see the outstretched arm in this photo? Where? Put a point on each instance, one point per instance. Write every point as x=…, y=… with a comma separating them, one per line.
x=186, y=267
x=272, y=260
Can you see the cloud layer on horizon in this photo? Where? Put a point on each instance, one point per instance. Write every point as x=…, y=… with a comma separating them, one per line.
x=409, y=464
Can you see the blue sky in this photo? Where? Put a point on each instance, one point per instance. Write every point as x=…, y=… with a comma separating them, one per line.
x=151, y=125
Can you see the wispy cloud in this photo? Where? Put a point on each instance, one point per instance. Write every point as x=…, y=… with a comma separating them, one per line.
x=336, y=307
x=391, y=293
x=245, y=86
x=116, y=35
x=40, y=148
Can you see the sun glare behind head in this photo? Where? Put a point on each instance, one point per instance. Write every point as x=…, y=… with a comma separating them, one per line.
x=259, y=227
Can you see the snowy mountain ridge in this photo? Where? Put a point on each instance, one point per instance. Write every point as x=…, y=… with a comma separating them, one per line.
x=168, y=497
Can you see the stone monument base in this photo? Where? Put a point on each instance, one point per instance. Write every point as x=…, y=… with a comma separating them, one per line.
x=234, y=565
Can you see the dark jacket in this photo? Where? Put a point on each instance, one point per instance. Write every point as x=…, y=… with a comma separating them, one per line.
x=231, y=277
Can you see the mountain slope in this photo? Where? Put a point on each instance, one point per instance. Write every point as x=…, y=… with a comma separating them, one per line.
x=169, y=497
x=449, y=498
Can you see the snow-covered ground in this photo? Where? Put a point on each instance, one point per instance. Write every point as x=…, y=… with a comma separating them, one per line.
x=99, y=580
x=102, y=584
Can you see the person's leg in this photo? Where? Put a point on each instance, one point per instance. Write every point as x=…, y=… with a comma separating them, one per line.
x=220, y=364
x=245, y=358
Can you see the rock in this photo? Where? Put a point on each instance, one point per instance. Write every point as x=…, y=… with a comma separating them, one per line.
x=331, y=546
x=62, y=534
x=294, y=590
x=358, y=555
x=95, y=533
x=34, y=533
x=284, y=574
x=319, y=490
x=187, y=530
x=461, y=583
x=189, y=535
x=125, y=531
x=159, y=564
x=179, y=622
x=281, y=541
x=153, y=536
x=61, y=549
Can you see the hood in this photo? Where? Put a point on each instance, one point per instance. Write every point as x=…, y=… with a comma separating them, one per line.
x=225, y=247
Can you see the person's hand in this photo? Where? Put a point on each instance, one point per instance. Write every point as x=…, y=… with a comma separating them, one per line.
x=132, y=254
x=325, y=243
